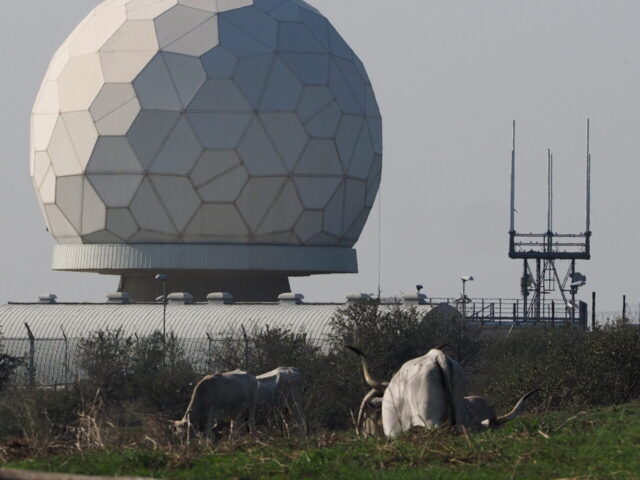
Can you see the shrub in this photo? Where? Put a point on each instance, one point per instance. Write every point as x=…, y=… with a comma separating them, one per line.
x=161, y=376
x=8, y=366
x=105, y=357
x=576, y=368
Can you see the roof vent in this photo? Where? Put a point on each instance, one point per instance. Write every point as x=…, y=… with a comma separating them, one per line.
x=121, y=298
x=220, y=298
x=358, y=297
x=180, y=298
x=415, y=299
x=291, y=299
x=47, y=298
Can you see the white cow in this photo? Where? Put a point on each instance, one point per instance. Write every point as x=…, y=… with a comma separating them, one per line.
x=426, y=392
x=280, y=391
x=229, y=396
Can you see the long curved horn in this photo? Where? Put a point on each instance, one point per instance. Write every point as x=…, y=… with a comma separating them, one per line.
x=363, y=406
x=516, y=410
x=373, y=383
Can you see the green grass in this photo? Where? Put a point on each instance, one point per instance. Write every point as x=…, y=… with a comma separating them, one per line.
x=600, y=444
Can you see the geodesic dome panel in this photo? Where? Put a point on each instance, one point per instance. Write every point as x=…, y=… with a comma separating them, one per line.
x=206, y=121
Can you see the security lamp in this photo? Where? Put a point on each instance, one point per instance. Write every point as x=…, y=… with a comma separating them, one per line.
x=161, y=276
x=468, y=278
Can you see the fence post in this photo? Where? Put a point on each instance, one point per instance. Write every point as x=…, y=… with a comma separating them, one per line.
x=209, y=353
x=553, y=313
x=66, y=356
x=593, y=311
x=246, y=347
x=624, y=308
x=32, y=356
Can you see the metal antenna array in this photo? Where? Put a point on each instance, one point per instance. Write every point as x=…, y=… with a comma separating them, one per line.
x=547, y=250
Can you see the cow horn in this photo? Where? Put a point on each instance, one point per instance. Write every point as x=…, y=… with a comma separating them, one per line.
x=375, y=384
x=363, y=406
x=516, y=410
x=440, y=347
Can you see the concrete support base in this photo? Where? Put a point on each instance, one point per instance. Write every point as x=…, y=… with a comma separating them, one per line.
x=258, y=287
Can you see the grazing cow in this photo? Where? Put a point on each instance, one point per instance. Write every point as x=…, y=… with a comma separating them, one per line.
x=280, y=391
x=426, y=391
x=221, y=397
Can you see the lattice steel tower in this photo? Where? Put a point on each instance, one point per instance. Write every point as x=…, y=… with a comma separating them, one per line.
x=550, y=251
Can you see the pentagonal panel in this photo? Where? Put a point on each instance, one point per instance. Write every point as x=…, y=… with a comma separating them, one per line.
x=257, y=197
x=180, y=151
x=284, y=212
x=178, y=196
x=149, y=212
x=287, y=135
x=82, y=133
x=225, y=188
x=116, y=190
x=120, y=222
x=212, y=164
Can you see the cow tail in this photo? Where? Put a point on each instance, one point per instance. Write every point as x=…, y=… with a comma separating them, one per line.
x=447, y=379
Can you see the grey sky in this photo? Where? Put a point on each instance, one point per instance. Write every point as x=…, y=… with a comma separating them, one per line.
x=450, y=76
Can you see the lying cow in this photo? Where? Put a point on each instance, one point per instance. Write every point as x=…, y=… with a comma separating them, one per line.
x=229, y=396
x=280, y=391
x=426, y=391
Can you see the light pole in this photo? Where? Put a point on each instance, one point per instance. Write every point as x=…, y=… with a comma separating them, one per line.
x=465, y=279
x=163, y=278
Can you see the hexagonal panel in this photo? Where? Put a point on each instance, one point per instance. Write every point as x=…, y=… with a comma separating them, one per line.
x=212, y=164
x=225, y=188
x=178, y=197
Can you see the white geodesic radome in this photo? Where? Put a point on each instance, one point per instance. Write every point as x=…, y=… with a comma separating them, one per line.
x=206, y=121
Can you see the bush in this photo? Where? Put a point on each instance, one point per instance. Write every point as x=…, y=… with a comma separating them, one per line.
x=576, y=368
x=161, y=376
x=8, y=366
